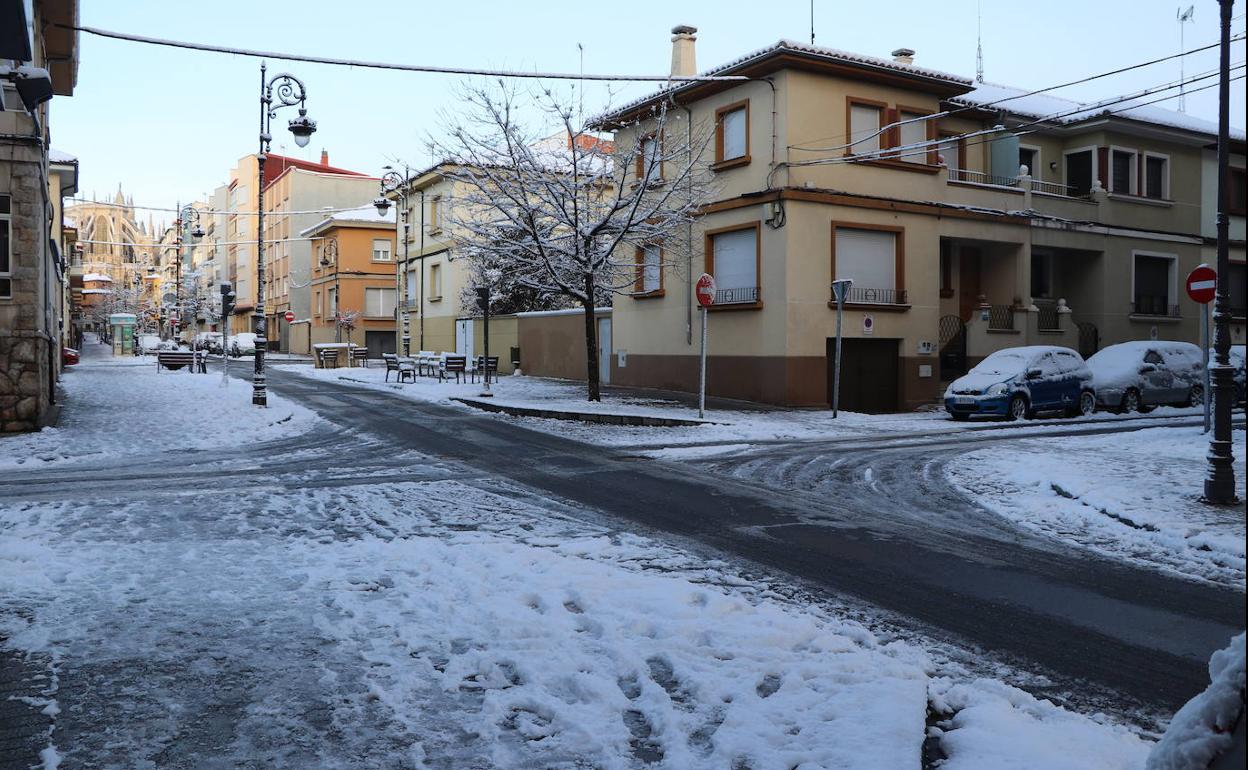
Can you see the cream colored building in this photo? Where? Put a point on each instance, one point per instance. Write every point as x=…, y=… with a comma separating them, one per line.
x=431, y=280
x=829, y=168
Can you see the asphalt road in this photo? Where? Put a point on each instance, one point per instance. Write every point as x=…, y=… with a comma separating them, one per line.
x=901, y=540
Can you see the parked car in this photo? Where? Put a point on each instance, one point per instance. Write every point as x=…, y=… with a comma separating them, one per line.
x=243, y=344
x=209, y=341
x=1237, y=361
x=69, y=356
x=1136, y=376
x=1019, y=382
x=147, y=343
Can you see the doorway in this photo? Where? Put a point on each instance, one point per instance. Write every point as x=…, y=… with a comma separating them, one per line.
x=870, y=379
x=604, y=350
x=379, y=342
x=463, y=337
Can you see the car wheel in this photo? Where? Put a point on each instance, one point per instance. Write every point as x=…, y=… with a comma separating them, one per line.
x=1018, y=407
x=1197, y=396
x=1087, y=403
x=1131, y=400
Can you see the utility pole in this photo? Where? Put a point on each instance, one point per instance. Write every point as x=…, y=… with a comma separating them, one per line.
x=1220, y=482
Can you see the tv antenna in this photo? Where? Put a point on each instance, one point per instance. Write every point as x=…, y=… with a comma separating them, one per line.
x=979, y=42
x=1183, y=18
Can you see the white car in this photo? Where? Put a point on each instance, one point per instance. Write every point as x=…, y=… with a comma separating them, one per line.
x=147, y=343
x=1136, y=376
x=242, y=344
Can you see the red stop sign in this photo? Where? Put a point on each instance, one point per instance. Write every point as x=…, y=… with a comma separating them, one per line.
x=1202, y=284
x=706, y=290
x=289, y=316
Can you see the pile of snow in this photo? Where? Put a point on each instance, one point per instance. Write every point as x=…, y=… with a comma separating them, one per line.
x=1201, y=730
x=121, y=406
x=1131, y=496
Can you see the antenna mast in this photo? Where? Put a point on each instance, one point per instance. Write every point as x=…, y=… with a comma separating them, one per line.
x=979, y=42
x=1183, y=17
x=812, y=22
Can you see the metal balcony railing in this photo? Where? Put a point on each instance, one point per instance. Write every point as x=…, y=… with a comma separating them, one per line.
x=980, y=177
x=1048, y=319
x=738, y=296
x=1001, y=317
x=1158, y=305
x=868, y=296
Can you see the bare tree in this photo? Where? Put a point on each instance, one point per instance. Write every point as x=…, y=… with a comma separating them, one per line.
x=570, y=214
x=347, y=320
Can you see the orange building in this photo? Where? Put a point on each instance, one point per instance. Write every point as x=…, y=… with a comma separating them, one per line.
x=353, y=280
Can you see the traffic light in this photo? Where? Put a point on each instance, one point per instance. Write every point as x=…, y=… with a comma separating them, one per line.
x=483, y=298
x=228, y=298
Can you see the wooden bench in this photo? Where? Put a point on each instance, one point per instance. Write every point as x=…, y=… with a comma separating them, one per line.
x=359, y=357
x=328, y=358
x=176, y=359
x=403, y=369
x=482, y=364
x=456, y=365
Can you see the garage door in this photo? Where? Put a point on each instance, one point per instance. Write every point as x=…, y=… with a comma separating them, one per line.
x=869, y=374
x=378, y=343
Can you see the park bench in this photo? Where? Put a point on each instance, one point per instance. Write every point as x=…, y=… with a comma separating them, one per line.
x=456, y=365
x=402, y=368
x=176, y=359
x=359, y=357
x=482, y=364
x=328, y=358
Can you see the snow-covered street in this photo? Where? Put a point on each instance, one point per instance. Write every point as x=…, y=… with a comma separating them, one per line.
x=308, y=596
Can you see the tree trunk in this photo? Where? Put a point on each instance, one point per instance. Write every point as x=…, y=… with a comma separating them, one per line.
x=591, y=342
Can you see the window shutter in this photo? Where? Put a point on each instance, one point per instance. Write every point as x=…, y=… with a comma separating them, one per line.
x=736, y=259
x=869, y=257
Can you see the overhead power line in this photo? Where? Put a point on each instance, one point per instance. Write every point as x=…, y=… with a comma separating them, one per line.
x=427, y=68
x=218, y=211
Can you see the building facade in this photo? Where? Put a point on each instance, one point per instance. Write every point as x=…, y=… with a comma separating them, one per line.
x=353, y=280
x=970, y=217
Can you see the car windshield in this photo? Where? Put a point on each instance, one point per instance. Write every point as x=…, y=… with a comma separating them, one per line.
x=1001, y=363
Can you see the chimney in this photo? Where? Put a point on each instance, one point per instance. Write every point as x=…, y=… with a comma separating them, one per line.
x=904, y=56
x=684, y=63
x=324, y=157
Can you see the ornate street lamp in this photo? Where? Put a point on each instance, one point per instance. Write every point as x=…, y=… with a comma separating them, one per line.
x=284, y=90
x=188, y=223
x=329, y=256
x=392, y=182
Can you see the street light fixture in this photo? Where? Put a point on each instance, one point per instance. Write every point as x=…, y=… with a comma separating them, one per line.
x=329, y=256
x=188, y=219
x=288, y=91
x=392, y=182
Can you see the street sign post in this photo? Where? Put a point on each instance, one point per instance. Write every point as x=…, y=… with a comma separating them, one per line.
x=289, y=315
x=706, y=297
x=840, y=290
x=1202, y=286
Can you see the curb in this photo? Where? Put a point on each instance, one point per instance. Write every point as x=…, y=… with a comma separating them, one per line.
x=591, y=417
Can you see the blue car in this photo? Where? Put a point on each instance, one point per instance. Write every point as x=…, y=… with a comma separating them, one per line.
x=1019, y=382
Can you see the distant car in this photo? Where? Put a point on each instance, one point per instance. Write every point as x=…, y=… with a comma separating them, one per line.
x=1136, y=376
x=1019, y=382
x=69, y=356
x=209, y=341
x=1237, y=361
x=243, y=344
x=147, y=343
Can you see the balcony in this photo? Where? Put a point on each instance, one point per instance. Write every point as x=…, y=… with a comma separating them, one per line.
x=1001, y=318
x=746, y=295
x=1157, y=306
x=967, y=176
x=870, y=296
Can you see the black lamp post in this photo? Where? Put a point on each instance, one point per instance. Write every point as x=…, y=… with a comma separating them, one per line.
x=284, y=90
x=188, y=220
x=393, y=182
x=1220, y=482
x=329, y=256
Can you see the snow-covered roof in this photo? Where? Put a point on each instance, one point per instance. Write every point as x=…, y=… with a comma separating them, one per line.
x=60, y=156
x=97, y=291
x=97, y=277
x=1019, y=102
x=364, y=215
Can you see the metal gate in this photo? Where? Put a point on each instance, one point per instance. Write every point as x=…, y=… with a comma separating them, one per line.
x=952, y=347
x=1089, y=338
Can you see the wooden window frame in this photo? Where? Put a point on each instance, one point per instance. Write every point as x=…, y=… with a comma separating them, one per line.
x=929, y=132
x=850, y=101
x=722, y=163
x=709, y=261
x=1233, y=207
x=640, y=162
x=899, y=259
x=639, y=283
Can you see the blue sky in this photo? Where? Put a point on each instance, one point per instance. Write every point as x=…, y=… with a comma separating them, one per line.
x=169, y=124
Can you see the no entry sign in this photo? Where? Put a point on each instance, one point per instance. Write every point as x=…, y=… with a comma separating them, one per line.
x=706, y=290
x=289, y=316
x=1202, y=284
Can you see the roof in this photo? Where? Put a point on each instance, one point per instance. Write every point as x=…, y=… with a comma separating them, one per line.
x=97, y=277
x=813, y=54
x=58, y=156
x=1025, y=104
x=276, y=165
x=364, y=216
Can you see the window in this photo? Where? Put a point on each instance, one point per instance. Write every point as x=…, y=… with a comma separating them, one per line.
x=6, y=248
x=1029, y=157
x=650, y=158
x=649, y=269
x=734, y=263
x=1237, y=285
x=865, y=121
x=381, y=250
x=1042, y=275
x=870, y=257
x=1153, y=357
x=333, y=302
x=320, y=305
x=1156, y=176
x=1236, y=190
x=912, y=136
x=951, y=153
x=732, y=139
x=1153, y=285
x=435, y=213
x=435, y=281
x=379, y=303
x=946, y=269
x=410, y=281
x=1079, y=171
x=1122, y=171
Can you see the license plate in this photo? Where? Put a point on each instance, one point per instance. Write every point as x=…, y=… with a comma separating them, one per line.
x=964, y=400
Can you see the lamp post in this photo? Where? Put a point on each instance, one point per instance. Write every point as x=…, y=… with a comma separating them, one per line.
x=1220, y=481
x=392, y=182
x=284, y=90
x=329, y=256
x=188, y=225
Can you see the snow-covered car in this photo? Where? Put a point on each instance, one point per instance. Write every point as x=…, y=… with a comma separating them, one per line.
x=210, y=341
x=147, y=343
x=242, y=344
x=1241, y=377
x=1135, y=376
x=1019, y=382
x=69, y=356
